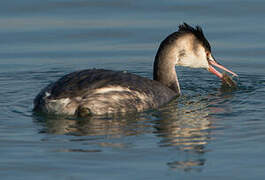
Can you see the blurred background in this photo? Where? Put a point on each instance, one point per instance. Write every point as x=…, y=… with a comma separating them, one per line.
x=205, y=134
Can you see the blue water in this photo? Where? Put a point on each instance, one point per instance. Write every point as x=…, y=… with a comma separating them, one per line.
x=205, y=134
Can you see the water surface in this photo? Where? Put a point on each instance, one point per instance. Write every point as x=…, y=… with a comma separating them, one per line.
x=205, y=134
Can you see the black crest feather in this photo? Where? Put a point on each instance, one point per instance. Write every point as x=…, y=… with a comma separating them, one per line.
x=197, y=31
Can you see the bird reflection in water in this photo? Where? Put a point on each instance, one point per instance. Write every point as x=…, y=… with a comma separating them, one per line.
x=183, y=126
x=111, y=127
x=188, y=130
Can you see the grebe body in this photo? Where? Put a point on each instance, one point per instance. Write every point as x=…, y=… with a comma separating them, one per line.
x=98, y=91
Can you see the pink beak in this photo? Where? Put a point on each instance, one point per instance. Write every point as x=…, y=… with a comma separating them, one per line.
x=217, y=73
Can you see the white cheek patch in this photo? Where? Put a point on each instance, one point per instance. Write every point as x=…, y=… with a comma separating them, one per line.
x=193, y=60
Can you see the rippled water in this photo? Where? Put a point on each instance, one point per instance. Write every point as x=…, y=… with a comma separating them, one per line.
x=205, y=134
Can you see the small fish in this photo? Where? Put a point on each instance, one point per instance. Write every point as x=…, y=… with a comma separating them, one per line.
x=228, y=83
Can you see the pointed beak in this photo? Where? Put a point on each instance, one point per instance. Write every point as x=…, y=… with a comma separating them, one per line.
x=212, y=63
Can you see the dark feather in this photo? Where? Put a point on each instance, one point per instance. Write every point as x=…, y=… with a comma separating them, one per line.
x=197, y=31
x=186, y=29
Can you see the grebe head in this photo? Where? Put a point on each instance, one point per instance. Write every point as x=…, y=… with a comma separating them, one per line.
x=196, y=50
x=193, y=49
x=187, y=47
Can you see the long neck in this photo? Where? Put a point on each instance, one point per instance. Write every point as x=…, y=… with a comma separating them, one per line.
x=164, y=68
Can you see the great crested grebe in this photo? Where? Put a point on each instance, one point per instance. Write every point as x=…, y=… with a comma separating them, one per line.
x=99, y=91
